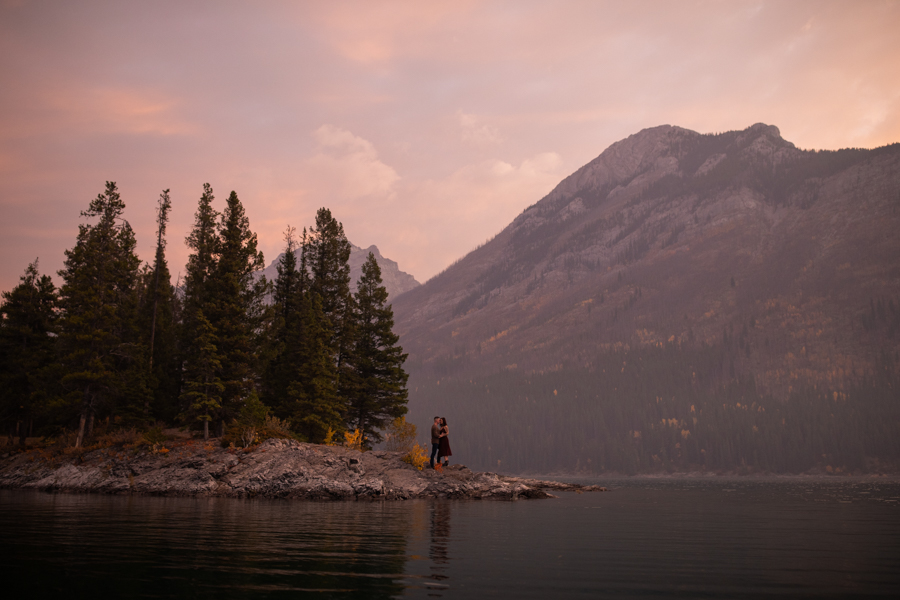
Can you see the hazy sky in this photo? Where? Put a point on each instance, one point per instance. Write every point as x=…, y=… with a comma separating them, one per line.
x=425, y=127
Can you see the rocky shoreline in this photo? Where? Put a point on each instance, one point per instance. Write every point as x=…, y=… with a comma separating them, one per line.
x=277, y=468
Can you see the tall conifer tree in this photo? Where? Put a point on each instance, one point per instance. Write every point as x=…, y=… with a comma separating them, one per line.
x=235, y=308
x=312, y=403
x=204, y=243
x=103, y=355
x=285, y=332
x=376, y=381
x=203, y=385
x=328, y=255
x=158, y=319
x=27, y=349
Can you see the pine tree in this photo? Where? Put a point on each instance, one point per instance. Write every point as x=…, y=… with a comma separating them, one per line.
x=203, y=386
x=327, y=253
x=376, y=382
x=235, y=306
x=312, y=402
x=201, y=266
x=285, y=335
x=158, y=307
x=27, y=349
x=103, y=355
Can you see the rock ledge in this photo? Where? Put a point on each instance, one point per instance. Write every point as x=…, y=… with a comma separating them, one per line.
x=274, y=469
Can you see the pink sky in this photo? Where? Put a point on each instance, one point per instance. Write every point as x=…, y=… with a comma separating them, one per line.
x=425, y=127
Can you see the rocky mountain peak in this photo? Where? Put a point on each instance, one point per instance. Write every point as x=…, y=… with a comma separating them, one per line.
x=762, y=128
x=667, y=213
x=395, y=281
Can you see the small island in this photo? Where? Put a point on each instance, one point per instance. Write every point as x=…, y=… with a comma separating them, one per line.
x=276, y=468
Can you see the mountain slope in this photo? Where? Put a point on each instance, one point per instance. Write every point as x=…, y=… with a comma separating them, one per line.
x=782, y=261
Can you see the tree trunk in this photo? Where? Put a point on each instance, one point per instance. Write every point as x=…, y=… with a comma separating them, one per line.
x=23, y=433
x=80, y=437
x=90, y=425
x=205, y=430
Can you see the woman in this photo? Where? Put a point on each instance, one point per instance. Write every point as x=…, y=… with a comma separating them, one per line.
x=444, y=443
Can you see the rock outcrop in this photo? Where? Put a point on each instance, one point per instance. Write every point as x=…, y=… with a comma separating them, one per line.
x=274, y=469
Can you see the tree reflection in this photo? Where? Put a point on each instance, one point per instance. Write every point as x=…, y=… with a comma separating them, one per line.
x=207, y=547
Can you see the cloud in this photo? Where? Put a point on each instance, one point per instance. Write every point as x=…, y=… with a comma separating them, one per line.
x=475, y=132
x=119, y=110
x=443, y=218
x=347, y=166
x=375, y=33
x=423, y=222
x=488, y=193
x=438, y=116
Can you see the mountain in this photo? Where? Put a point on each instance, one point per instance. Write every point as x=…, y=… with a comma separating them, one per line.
x=744, y=270
x=395, y=281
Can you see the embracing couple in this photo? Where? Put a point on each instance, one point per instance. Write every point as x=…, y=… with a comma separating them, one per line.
x=440, y=441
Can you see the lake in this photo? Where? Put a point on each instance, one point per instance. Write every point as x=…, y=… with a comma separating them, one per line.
x=645, y=538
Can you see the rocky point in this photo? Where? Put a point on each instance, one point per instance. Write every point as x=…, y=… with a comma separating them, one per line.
x=277, y=468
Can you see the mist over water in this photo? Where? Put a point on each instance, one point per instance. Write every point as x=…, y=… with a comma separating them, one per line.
x=653, y=538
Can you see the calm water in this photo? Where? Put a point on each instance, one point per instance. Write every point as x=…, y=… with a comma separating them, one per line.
x=644, y=539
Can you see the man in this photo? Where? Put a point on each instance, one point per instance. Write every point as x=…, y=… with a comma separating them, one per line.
x=435, y=438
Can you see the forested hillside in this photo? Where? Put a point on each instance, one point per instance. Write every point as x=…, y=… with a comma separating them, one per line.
x=684, y=301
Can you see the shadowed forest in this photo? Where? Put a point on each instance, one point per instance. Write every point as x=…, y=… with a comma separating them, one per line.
x=224, y=352
x=655, y=410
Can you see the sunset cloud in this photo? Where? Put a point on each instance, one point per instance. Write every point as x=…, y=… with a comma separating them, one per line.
x=425, y=127
x=348, y=166
x=476, y=132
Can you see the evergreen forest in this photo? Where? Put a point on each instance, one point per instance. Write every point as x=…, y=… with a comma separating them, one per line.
x=222, y=352
x=669, y=408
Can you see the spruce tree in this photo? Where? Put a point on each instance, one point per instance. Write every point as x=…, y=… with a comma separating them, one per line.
x=103, y=355
x=285, y=337
x=203, y=387
x=312, y=402
x=235, y=307
x=158, y=307
x=204, y=243
x=327, y=254
x=376, y=382
x=27, y=349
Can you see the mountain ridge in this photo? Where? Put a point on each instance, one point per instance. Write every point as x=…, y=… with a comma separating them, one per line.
x=541, y=242
x=731, y=261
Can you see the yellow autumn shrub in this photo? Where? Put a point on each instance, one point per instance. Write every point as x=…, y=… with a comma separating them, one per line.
x=416, y=457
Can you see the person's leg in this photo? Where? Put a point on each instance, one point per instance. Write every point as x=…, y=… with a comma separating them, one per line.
x=434, y=450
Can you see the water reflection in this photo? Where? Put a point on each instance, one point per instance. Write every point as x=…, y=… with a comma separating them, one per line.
x=440, y=540
x=734, y=539
x=149, y=547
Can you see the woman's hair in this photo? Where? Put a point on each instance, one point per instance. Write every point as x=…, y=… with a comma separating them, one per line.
x=443, y=421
